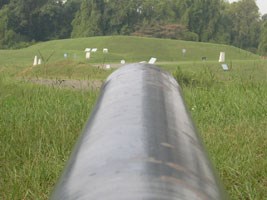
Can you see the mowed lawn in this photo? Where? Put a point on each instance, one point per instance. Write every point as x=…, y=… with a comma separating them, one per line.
x=40, y=124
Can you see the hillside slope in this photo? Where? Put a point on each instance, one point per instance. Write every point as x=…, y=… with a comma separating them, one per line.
x=131, y=49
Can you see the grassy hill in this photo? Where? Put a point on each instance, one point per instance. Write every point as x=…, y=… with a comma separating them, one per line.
x=131, y=49
x=39, y=124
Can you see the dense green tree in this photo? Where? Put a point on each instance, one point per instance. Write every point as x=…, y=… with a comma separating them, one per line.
x=263, y=39
x=54, y=20
x=120, y=17
x=158, y=11
x=88, y=21
x=3, y=2
x=245, y=24
x=223, y=32
x=23, y=17
x=37, y=20
x=264, y=17
x=203, y=20
x=3, y=27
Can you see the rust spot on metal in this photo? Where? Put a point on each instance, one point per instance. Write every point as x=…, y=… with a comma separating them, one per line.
x=177, y=167
x=153, y=160
x=147, y=159
x=167, y=145
x=182, y=183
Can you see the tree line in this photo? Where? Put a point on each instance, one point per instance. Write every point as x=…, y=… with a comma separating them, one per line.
x=23, y=22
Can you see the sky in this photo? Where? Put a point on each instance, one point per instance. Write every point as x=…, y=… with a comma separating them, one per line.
x=262, y=4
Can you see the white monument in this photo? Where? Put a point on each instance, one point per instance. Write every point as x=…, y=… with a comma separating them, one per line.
x=225, y=67
x=87, y=55
x=87, y=49
x=39, y=61
x=183, y=51
x=222, y=57
x=35, y=61
x=152, y=60
x=94, y=50
x=107, y=66
x=105, y=50
x=122, y=62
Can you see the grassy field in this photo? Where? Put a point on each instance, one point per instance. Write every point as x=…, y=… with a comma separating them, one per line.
x=39, y=124
x=230, y=111
x=38, y=127
x=131, y=49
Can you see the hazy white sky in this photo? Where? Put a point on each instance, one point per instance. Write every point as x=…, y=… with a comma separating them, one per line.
x=262, y=4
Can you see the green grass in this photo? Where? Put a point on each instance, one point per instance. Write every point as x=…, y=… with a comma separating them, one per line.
x=67, y=70
x=40, y=124
x=230, y=110
x=38, y=127
x=132, y=49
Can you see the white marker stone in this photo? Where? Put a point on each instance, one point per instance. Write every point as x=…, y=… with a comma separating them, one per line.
x=122, y=62
x=87, y=49
x=183, y=51
x=105, y=50
x=39, y=61
x=94, y=50
x=222, y=57
x=225, y=67
x=152, y=60
x=87, y=55
x=35, y=61
x=107, y=66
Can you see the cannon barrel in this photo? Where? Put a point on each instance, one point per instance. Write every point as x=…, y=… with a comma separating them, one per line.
x=139, y=144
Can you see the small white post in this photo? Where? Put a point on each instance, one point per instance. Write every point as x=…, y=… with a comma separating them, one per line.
x=87, y=55
x=107, y=66
x=222, y=57
x=183, y=51
x=35, y=61
x=39, y=61
x=152, y=60
x=94, y=50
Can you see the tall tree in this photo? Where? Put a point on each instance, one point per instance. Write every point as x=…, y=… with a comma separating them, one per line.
x=88, y=21
x=245, y=24
x=54, y=19
x=120, y=17
x=263, y=38
x=3, y=2
x=23, y=16
x=203, y=18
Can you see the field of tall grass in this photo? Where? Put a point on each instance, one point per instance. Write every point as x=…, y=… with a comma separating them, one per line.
x=40, y=123
x=38, y=127
x=230, y=111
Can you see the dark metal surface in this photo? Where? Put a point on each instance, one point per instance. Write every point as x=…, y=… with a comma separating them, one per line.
x=139, y=143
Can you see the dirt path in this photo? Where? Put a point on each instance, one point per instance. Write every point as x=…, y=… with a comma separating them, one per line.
x=65, y=83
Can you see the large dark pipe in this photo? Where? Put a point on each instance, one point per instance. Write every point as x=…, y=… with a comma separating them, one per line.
x=139, y=144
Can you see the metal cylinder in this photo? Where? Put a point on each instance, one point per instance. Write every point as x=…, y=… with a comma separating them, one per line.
x=139, y=143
